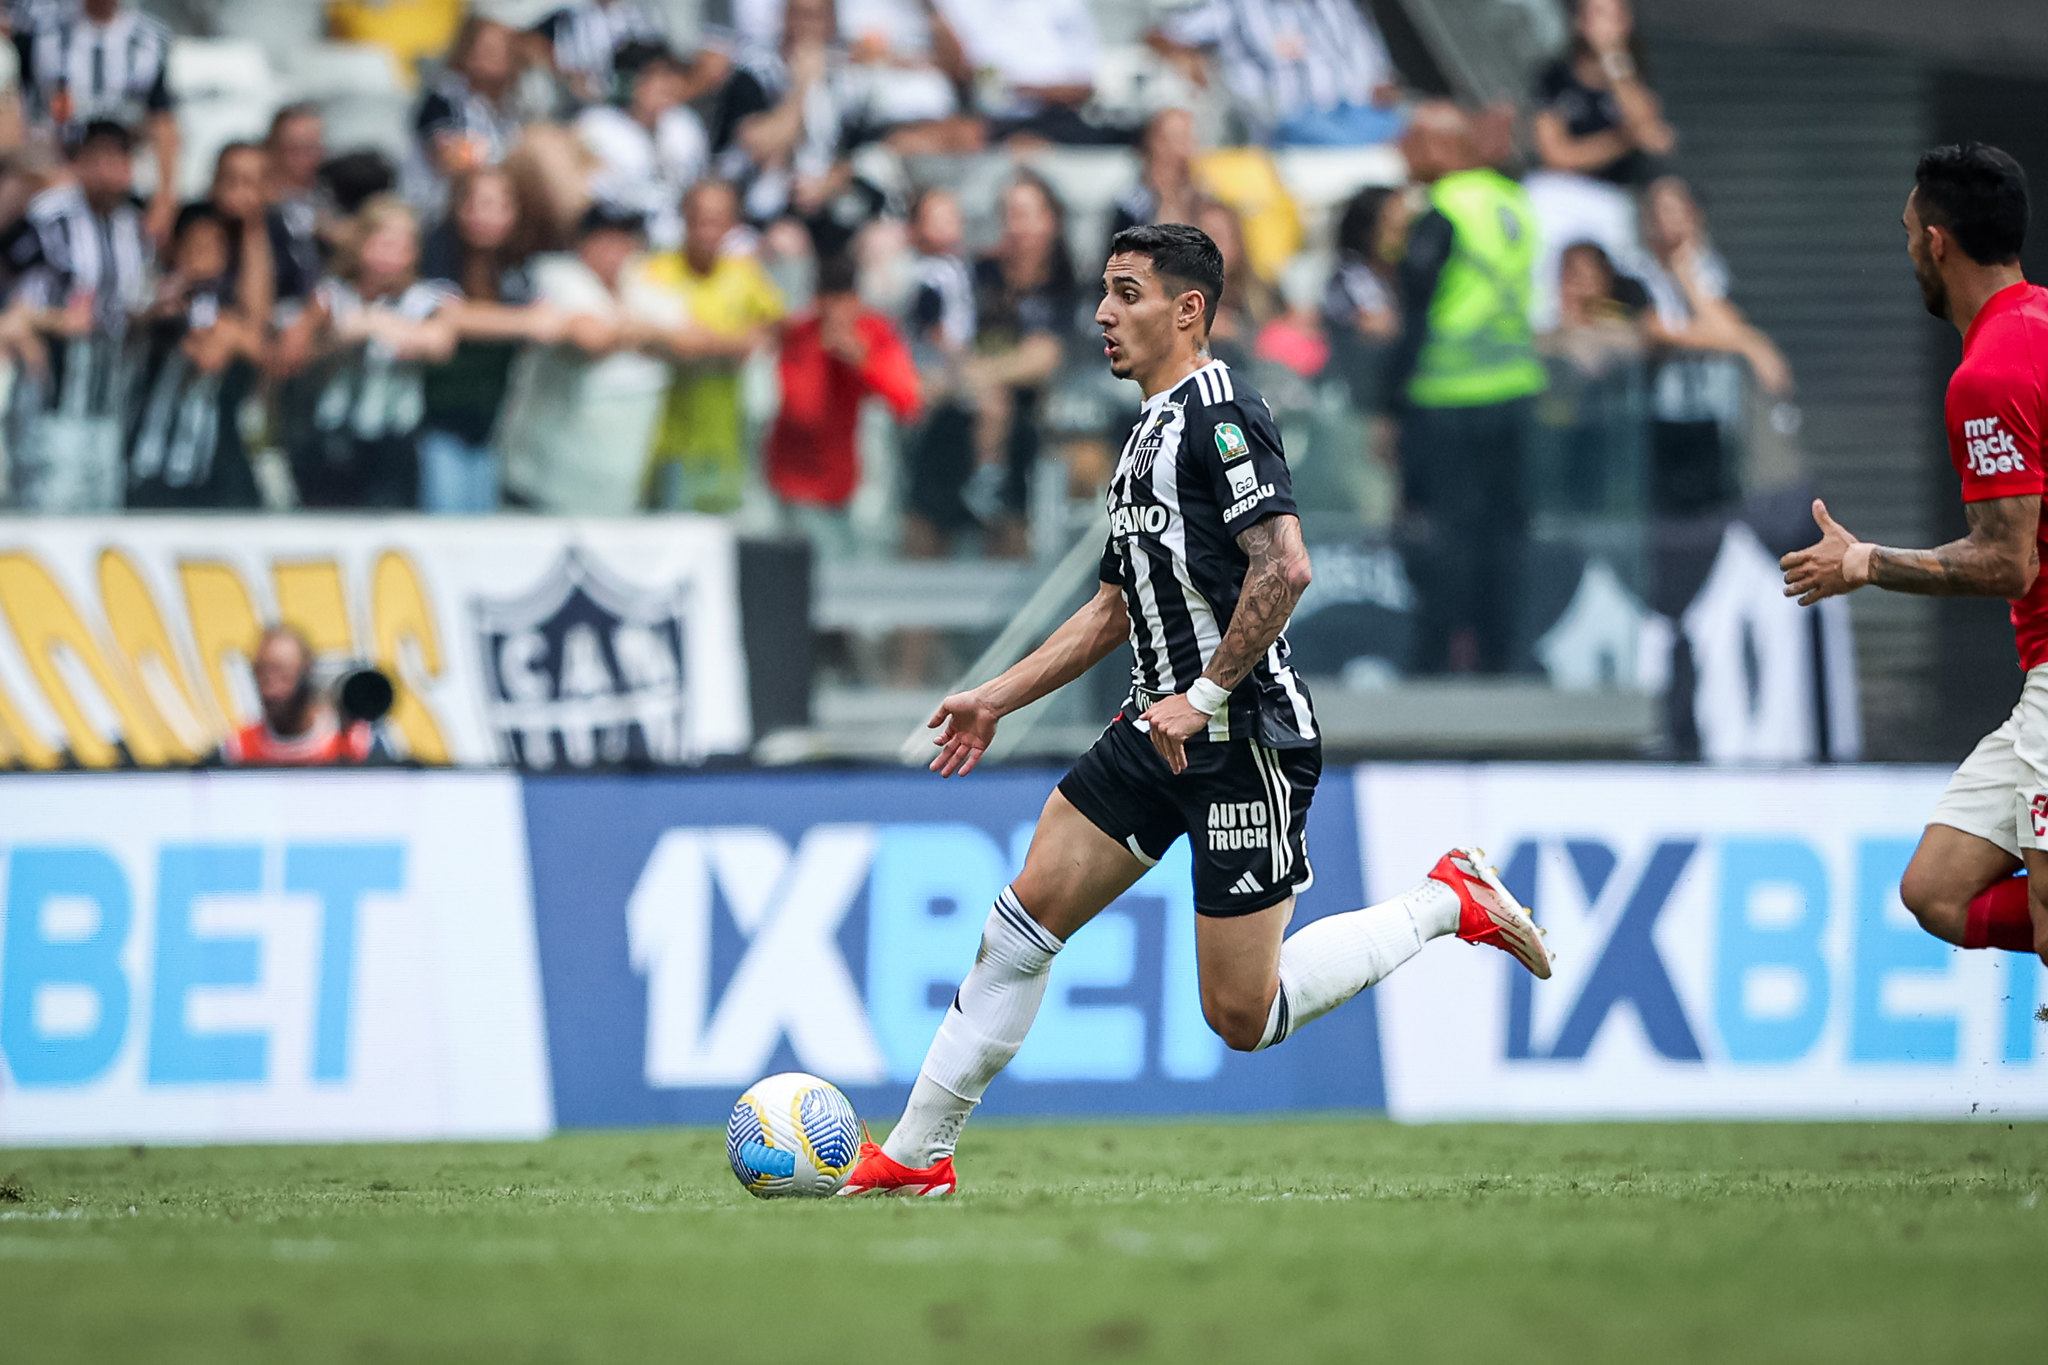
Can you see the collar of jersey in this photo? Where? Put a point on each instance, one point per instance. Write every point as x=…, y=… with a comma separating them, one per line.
x=2012, y=296
x=1158, y=400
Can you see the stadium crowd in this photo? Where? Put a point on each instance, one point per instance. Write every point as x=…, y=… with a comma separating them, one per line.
x=608, y=238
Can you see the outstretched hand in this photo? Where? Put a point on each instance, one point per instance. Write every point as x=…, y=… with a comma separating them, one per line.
x=967, y=726
x=1834, y=564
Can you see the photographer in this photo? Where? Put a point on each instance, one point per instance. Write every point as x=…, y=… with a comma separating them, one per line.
x=300, y=725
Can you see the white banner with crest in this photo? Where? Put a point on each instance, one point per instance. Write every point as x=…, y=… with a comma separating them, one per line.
x=527, y=641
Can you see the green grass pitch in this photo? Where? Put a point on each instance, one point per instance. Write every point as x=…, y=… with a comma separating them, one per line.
x=1297, y=1241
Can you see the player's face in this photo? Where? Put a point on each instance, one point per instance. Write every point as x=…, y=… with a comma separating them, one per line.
x=1933, y=290
x=1135, y=315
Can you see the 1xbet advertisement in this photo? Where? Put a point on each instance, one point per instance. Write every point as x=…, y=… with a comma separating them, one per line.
x=699, y=933
x=341, y=956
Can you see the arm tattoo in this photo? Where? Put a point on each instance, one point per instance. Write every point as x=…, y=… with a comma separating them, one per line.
x=1264, y=603
x=1997, y=559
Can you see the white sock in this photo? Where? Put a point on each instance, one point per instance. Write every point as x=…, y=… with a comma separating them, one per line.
x=1338, y=956
x=982, y=1030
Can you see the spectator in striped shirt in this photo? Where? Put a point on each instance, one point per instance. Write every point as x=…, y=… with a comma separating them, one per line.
x=103, y=61
x=352, y=414
x=584, y=41
x=469, y=118
x=1300, y=72
x=81, y=261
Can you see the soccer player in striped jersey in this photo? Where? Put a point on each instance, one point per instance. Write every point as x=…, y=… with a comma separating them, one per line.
x=1218, y=740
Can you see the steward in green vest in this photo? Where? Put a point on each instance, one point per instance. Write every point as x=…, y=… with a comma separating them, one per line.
x=1462, y=380
x=1477, y=347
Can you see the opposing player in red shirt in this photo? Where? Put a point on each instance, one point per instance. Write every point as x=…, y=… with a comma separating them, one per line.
x=1965, y=221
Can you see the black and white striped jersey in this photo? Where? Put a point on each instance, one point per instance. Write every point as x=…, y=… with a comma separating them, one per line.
x=62, y=251
x=1202, y=466
x=587, y=35
x=74, y=71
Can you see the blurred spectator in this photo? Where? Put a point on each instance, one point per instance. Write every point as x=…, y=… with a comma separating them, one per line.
x=81, y=262
x=1034, y=66
x=1599, y=130
x=779, y=128
x=299, y=726
x=1594, y=115
x=907, y=69
x=237, y=197
x=939, y=454
x=1590, y=416
x=1596, y=330
x=834, y=356
x=700, y=456
x=469, y=117
x=651, y=146
x=302, y=211
x=784, y=126
x=98, y=61
x=582, y=412
x=481, y=257
x=1024, y=300
x=1463, y=374
x=584, y=41
x=411, y=31
x=352, y=180
x=1359, y=315
x=355, y=355
x=201, y=340
x=1165, y=192
x=1312, y=73
x=1371, y=234
x=1248, y=302
x=1698, y=398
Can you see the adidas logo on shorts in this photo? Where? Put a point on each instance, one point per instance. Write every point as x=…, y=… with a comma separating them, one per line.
x=1247, y=885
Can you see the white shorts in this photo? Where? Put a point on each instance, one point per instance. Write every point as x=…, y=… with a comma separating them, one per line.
x=2001, y=791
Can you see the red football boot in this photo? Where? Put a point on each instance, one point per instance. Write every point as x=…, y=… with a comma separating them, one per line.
x=876, y=1172
x=1488, y=912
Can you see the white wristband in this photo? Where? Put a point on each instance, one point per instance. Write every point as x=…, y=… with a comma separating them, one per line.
x=1208, y=696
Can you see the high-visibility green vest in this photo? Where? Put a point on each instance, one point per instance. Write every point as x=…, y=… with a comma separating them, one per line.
x=1479, y=349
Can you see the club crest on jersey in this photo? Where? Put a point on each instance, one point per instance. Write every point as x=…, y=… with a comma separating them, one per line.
x=1154, y=440
x=1230, y=442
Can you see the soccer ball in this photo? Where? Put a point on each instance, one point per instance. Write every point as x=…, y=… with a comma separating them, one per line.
x=792, y=1136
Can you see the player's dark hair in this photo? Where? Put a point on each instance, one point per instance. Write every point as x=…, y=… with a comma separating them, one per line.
x=1183, y=256
x=1979, y=194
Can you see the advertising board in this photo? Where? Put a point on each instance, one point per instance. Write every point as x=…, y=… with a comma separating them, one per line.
x=1729, y=944
x=230, y=957
x=525, y=641
x=699, y=933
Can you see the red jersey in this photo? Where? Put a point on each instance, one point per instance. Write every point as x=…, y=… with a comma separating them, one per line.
x=324, y=744
x=811, y=456
x=1998, y=423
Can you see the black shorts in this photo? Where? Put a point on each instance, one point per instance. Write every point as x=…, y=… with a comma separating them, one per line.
x=1243, y=806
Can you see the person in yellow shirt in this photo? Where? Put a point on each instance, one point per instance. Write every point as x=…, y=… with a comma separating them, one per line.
x=700, y=458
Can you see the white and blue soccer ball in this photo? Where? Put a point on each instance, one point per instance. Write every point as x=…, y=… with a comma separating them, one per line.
x=792, y=1136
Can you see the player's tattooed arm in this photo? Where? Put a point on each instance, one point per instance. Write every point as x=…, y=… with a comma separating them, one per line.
x=1999, y=558
x=1273, y=583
